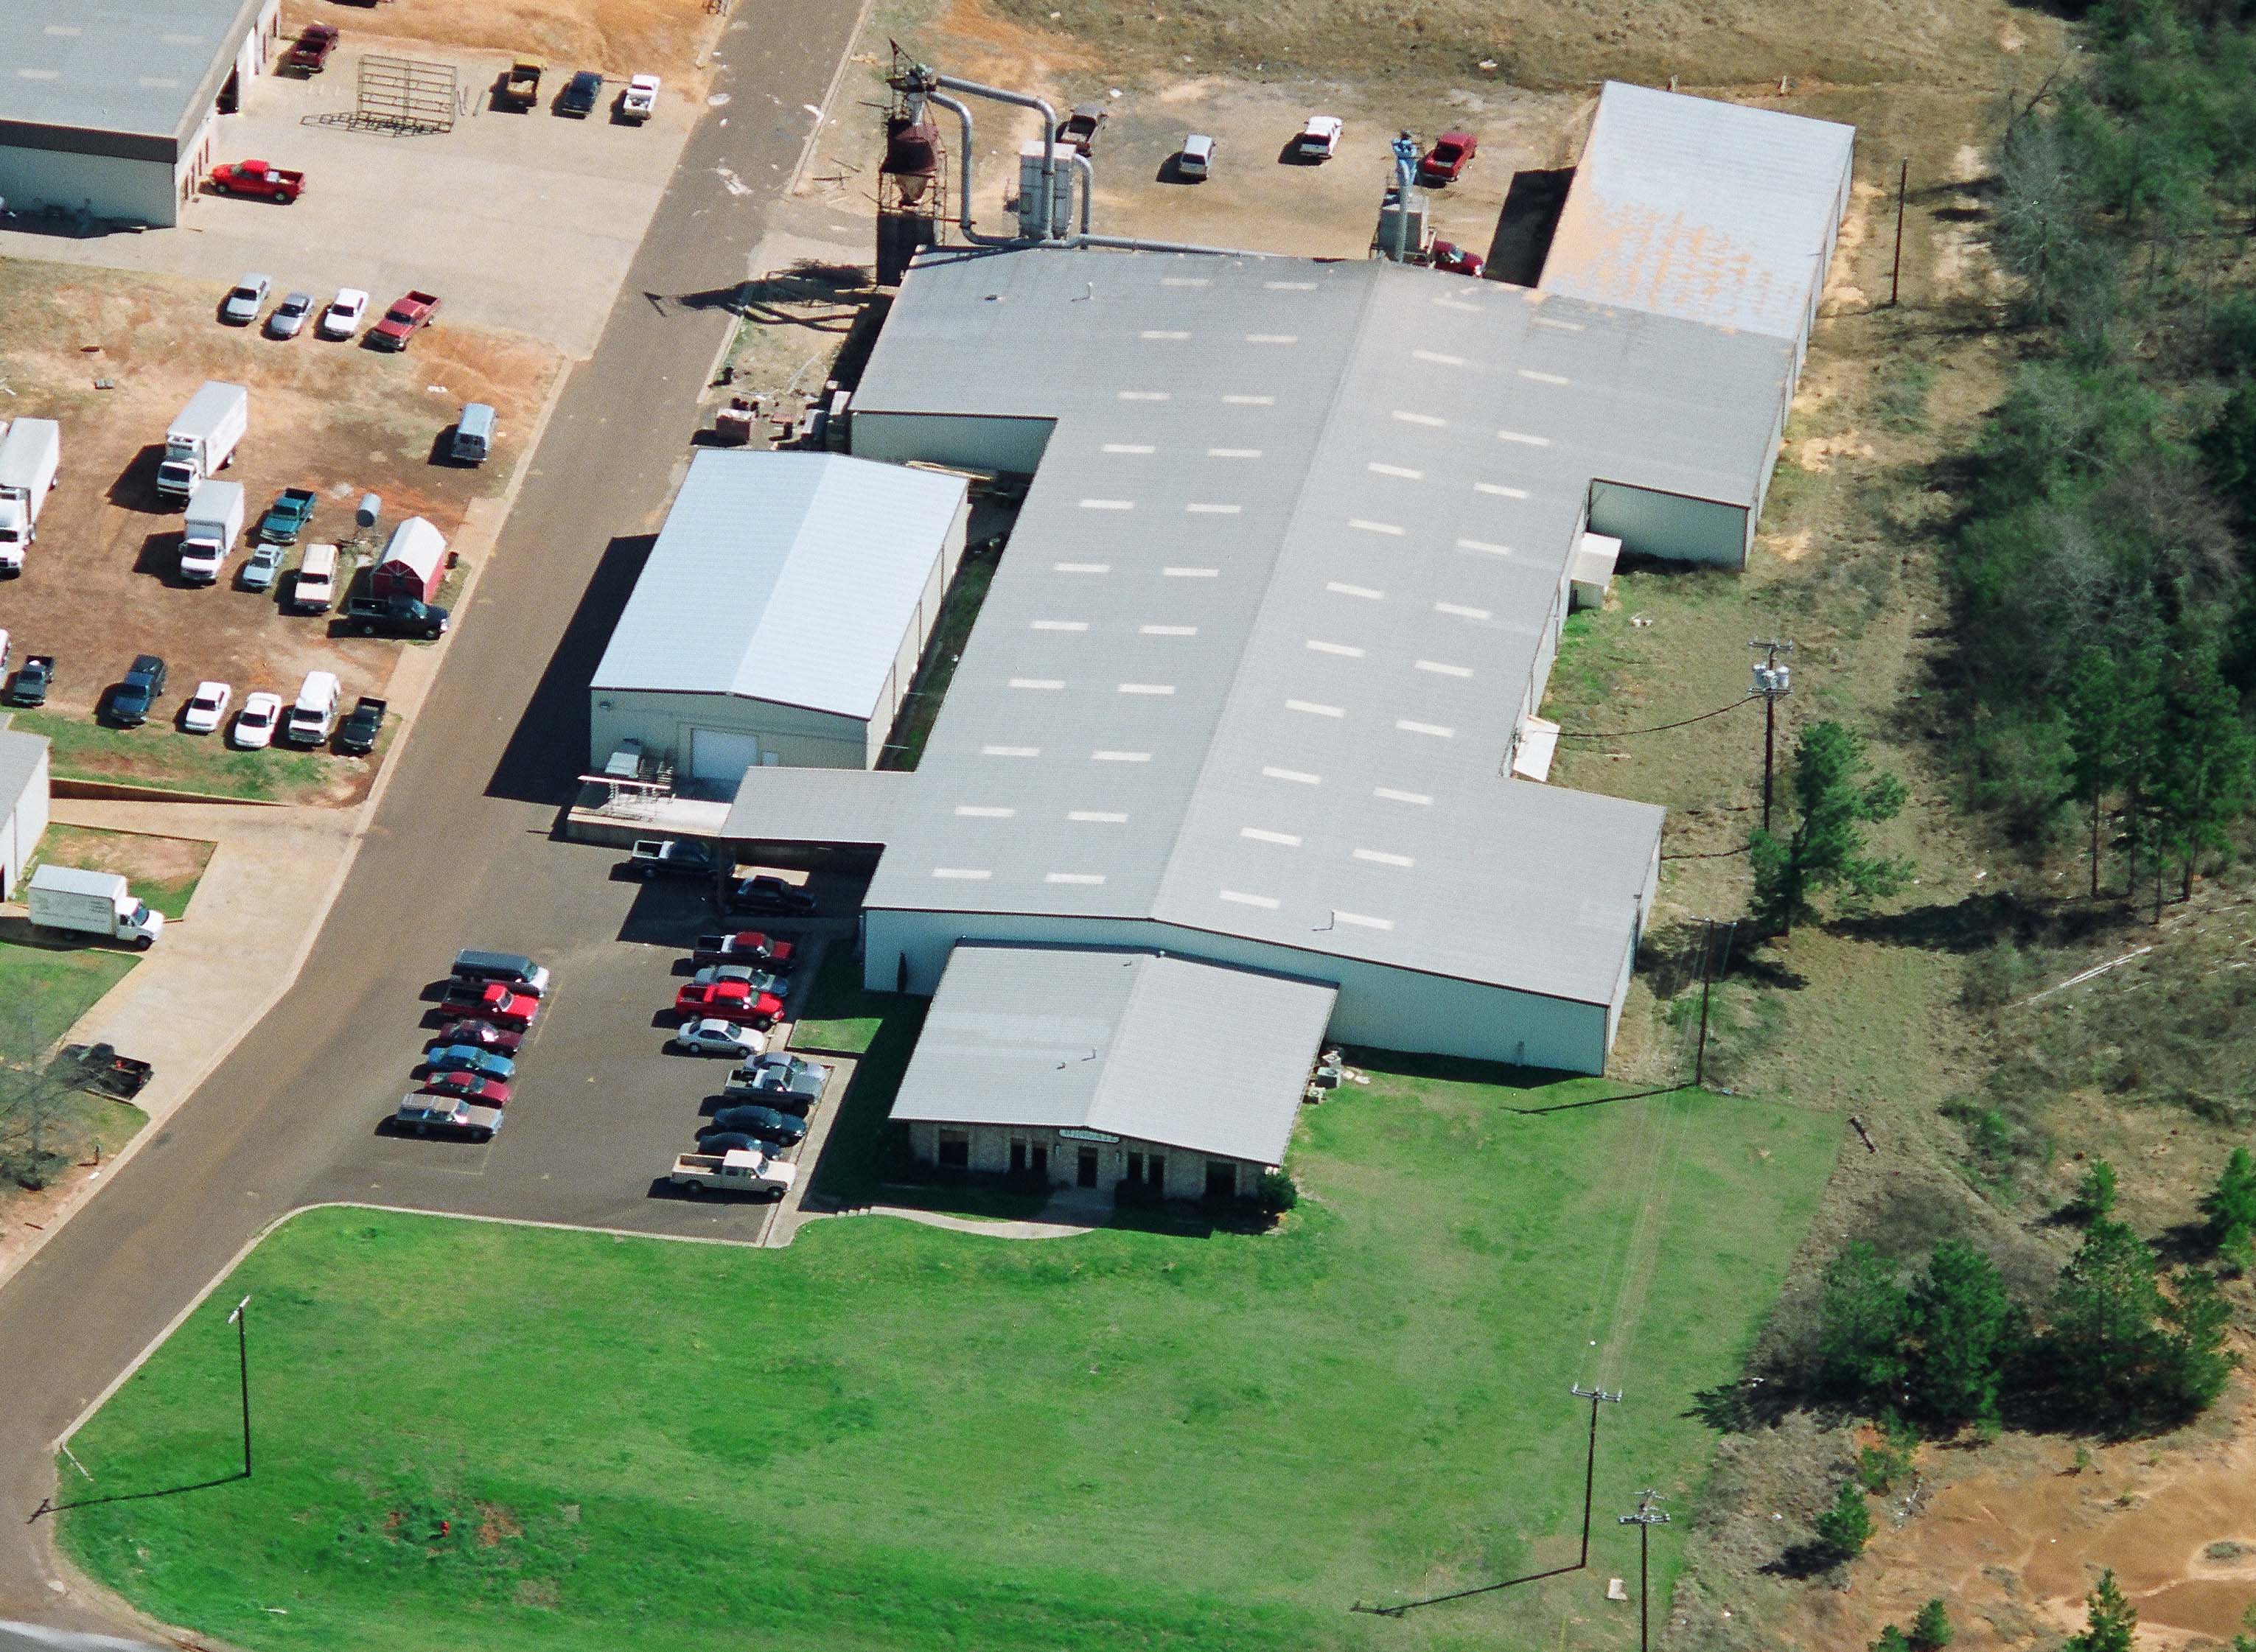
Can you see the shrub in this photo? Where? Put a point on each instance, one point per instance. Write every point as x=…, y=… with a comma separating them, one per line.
x=1276, y=1193
x=1844, y=1530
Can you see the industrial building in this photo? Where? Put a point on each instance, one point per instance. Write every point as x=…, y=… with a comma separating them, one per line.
x=23, y=802
x=108, y=107
x=779, y=618
x=1093, y=1067
x=1254, y=694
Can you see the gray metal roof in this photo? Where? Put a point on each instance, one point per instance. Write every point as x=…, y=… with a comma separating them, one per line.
x=149, y=67
x=1133, y=1044
x=1254, y=658
x=1704, y=211
x=784, y=577
x=20, y=755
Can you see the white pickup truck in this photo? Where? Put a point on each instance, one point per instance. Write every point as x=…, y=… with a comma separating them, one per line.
x=741, y=1170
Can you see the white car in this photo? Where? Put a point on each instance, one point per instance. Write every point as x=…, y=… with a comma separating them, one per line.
x=245, y=299
x=712, y=1037
x=1319, y=138
x=206, y=708
x=639, y=102
x=256, y=722
x=341, y=319
x=1195, y=158
x=288, y=318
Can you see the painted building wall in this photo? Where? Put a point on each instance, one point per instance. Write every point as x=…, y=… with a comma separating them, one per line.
x=1672, y=525
x=1183, y=1172
x=663, y=722
x=967, y=440
x=1381, y=1005
x=24, y=819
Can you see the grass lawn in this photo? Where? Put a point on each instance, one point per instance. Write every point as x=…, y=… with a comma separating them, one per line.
x=888, y=1436
x=158, y=755
x=46, y=989
x=840, y=1015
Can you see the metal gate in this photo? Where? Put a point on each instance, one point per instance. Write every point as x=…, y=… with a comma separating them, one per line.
x=406, y=94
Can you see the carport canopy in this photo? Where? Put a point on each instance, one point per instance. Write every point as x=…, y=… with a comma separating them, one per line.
x=1137, y=1044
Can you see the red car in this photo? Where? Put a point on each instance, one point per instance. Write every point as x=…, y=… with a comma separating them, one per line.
x=468, y=1086
x=258, y=177
x=732, y=1000
x=1456, y=260
x=479, y=1034
x=746, y=947
x=407, y=316
x=1447, y=160
x=492, y=1001
x=311, y=54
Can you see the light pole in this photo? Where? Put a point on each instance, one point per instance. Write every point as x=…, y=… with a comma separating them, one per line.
x=1772, y=683
x=241, y=1320
x=1645, y=1520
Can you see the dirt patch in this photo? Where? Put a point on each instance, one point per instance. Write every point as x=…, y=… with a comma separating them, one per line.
x=102, y=583
x=619, y=36
x=496, y=1525
x=140, y=855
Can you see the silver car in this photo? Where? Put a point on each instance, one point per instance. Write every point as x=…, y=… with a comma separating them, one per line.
x=289, y=317
x=244, y=300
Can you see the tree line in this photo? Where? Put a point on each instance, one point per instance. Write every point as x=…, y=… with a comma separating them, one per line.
x=2106, y=618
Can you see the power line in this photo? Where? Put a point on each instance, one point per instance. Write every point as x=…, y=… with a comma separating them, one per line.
x=1658, y=728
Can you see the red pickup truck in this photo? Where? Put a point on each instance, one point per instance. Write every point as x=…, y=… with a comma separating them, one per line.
x=406, y=317
x=258, y=177
x=310, y=53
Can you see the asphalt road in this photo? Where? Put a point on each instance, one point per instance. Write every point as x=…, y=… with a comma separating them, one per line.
x=460, y=851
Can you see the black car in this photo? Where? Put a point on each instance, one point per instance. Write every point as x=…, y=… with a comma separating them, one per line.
x=33, y=678
x=762, y=1124
x=770, y=895
x=130, y=700
x=580, y=93
x=395, y=616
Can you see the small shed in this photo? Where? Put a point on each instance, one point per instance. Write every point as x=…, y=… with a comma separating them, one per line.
x=22, y=803
x=414, y=563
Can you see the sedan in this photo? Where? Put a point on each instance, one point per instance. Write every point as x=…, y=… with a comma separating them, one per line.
x=713, y=1036
x=1446, y=162
x=206, y=708
x=479, y=1034
x=474, y=1087
x=760, y=981
x=762, y=1124
x=464, y=1057
x=732, y=998
x=289, y=317
x=438, y=1116
x=244, y=300
x=263, y=568
x=341, y=319
x=256, y=722
x=770, y=895
x=580, y=93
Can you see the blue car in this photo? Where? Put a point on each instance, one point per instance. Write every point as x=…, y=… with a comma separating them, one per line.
x=463, y=1058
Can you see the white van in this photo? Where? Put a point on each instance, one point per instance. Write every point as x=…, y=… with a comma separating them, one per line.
x=315, y=711
x=315, y=587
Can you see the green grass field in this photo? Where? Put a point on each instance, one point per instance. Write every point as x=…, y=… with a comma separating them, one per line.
x=892, y=1437
x=157, y=755
x=46, y=989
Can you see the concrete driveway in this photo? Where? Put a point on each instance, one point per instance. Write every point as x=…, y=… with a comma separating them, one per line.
x=521, y=220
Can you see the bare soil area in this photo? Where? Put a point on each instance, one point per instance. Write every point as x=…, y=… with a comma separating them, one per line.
x=142, y=856
x=102, y=583
x=619, y=36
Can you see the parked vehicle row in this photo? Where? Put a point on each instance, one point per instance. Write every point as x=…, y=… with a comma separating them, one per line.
x=518, y=87
x=340, y=319
x=469, y=1066
x=764, y=1110
x=309, y=720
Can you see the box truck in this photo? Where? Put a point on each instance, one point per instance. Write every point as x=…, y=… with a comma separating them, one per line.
x=29, y=459
x=200, y=442
x=214, y=523
x=92, y=903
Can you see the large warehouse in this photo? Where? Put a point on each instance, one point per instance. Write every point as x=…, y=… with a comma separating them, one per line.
x=780, y=616
x=107, y=107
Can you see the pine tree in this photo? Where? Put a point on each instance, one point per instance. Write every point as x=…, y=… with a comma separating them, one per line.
x=1965, y=1326
x=1861, y=1332
x=2194, y=1364
x=1931, y=1630
x=2103, y=1337
x=2095, y=1193
x=1834, y=800
x=1892, y=1640
x=2231, y=1205
x=2113, y=707
x=1844, y=1530
x=2206, y=777
x=2109, y=1620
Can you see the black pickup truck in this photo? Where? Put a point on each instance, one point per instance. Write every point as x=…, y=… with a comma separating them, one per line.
x=394, y=617
x=356, y=735
x=670, y=857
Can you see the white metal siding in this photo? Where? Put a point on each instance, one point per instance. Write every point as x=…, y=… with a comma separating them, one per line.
x=1386, y=1008
x=664, y=723
x=26, y=818
x=968, y=441
x=1671, y=525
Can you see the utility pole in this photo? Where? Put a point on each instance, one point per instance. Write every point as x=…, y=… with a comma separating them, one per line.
x=1707, y=977
x=1645, y=1520
x=241, y=1320
x=1895, y=274
x=1596, y=1397
x=1773, y=682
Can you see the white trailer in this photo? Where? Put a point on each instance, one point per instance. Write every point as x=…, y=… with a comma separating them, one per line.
x=214, y=523
x=28, y=461
x=200, y=442
x=67, y=897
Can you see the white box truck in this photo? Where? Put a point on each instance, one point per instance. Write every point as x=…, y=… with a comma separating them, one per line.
x=91, y=903
x=29, y=459
x=200, y=442
x=214, y=523
x=315, y=711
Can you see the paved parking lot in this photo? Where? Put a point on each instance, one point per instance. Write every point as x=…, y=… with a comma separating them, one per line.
x=599, y=1107
x=519, y=220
